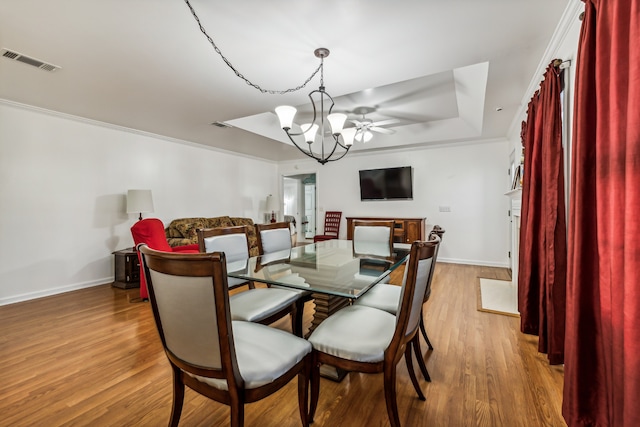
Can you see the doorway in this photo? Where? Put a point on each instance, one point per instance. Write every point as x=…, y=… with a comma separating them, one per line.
x=299, y=193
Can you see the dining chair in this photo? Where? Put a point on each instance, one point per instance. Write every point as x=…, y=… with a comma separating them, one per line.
x=229, y=361
x=260, y=305
x=386, y=297
x=365, y=339
x=373, y=237
x=331, y=226
x=274, y=239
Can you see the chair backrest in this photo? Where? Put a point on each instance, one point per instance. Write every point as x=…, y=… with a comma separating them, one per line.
x=232, y=241
x=414, y=284
x=273, y=237
x=332, y=223
x=190, y=302
x=438, y=231
x=373, y=237
x=151, y=232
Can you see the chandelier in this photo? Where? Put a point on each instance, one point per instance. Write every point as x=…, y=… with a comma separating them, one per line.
x=325, y=138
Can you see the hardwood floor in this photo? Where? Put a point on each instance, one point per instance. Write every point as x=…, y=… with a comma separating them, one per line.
x=91, y=357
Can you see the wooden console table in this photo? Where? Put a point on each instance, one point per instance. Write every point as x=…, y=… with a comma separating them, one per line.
x=406, y=230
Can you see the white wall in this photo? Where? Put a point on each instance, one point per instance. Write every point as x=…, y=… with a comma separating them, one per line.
x=471, y=179
x=62, y=195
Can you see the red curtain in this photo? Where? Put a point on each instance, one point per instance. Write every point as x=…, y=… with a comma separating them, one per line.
x=543, y=244
x=602, y=363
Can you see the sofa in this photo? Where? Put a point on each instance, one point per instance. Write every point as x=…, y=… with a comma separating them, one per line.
x=182, y=231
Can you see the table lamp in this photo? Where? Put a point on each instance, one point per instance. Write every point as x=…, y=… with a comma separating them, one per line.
x=273, y=206
x=139, y=201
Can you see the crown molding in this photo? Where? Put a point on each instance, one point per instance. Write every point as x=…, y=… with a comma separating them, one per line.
x=570, y=15
x=119, y=128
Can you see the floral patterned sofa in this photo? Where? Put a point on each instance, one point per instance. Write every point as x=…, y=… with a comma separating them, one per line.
x=182, y=231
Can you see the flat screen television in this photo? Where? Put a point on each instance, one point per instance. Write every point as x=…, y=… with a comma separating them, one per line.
x=386, y=184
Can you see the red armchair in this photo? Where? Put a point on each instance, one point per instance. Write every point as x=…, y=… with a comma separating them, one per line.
x=151, y=232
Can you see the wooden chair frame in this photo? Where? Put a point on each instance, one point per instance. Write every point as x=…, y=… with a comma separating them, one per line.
x=332, y=221
x=374, y=223
x=400, y=345
x=214, y=265
x=293, y=309
x=270, y=226
x=304, y=297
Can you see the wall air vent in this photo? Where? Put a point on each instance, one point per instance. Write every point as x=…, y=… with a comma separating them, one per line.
x=221, y=125
x=16, y=56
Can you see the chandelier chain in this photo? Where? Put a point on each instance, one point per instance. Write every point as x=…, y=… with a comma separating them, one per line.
x=247, y=81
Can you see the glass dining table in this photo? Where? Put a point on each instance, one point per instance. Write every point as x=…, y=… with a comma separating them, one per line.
x=335, y=272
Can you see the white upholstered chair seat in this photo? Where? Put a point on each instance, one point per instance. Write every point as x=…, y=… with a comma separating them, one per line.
x=260, y=303
x=356, y=333
x=383, y=297
x=263, y=354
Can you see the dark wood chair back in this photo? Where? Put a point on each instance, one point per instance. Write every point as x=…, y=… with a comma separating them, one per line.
x=190, y=303
x=332, y=221
x=373, y=237
x=273, y=237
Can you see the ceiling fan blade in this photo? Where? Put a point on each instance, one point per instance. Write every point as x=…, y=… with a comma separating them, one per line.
x=356, y=122
x=406, y=118
x=385, y=122
x=382, y=130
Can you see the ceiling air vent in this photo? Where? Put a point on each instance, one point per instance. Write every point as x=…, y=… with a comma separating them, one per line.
x=16, y=56
x=221, y=125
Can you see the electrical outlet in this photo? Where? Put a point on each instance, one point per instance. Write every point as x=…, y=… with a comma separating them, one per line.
x=444, y=208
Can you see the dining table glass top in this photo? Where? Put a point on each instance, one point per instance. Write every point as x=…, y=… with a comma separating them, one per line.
x=333, y=267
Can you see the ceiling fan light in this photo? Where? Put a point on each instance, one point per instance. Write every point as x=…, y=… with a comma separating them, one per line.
x=336, y=120
x=285, y=115
x=364, y=136
x=347, y=136
x=310, y=131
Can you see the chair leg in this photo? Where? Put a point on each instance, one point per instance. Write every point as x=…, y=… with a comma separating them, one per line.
x=237, y=412
x=178, y=397
x=315, y=388
x=303, y=391
x=415, y=343
x=423, y=329
x=408, y=357
x=390, y=395
x=297, y=314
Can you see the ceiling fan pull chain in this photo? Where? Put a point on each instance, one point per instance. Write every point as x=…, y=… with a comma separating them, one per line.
x=247, y=81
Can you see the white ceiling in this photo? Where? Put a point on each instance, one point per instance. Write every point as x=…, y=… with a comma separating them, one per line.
x=441, y=68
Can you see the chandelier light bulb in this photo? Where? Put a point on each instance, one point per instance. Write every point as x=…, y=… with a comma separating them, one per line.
x=285, y=115
x=336, y=120
x=310, y=131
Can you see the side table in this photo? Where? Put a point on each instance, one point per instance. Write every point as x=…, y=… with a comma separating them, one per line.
x=127, y=269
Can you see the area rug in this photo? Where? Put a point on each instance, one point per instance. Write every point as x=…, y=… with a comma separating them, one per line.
x=498, y=296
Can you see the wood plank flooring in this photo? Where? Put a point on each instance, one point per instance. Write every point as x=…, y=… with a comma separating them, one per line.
x=91, y=357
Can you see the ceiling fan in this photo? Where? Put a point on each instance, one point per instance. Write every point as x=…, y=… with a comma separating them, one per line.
x=365, y=127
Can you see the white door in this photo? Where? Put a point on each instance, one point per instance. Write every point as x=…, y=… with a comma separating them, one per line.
x=310, y=210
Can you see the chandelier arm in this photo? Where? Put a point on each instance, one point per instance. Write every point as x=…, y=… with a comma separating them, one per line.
x=337, y=158
x=247, y=81
x=308, y=153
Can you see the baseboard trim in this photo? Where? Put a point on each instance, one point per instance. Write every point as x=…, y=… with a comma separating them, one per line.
x=54, y=291
x=474, y=262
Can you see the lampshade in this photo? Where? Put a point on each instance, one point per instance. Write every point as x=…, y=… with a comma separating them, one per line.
x=272, y=204
x=139, y=201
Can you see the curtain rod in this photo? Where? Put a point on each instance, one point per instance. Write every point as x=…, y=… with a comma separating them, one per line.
x=559, y=63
